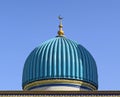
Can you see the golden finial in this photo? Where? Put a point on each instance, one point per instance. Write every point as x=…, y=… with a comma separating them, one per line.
x=60, y=32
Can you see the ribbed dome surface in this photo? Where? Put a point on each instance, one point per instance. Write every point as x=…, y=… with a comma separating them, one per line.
x=60, y=58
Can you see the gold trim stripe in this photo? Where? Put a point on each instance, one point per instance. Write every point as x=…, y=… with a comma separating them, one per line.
x=55, y=81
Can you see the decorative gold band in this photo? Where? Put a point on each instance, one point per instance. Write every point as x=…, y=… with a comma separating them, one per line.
x=56, y=81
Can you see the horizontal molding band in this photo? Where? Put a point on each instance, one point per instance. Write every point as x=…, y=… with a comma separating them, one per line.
x=59, y=81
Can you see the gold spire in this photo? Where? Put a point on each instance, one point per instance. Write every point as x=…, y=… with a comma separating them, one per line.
x=60, y=32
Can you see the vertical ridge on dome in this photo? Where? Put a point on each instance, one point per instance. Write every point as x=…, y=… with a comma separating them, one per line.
x=72, y=67
x=63, y=52
x=59, y=58
x=46, y=60
x=39, y=61
x=51, y=61
x=67, y=58
x=75, y=61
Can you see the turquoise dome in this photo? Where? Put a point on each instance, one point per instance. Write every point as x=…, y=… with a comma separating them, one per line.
x=60, y=58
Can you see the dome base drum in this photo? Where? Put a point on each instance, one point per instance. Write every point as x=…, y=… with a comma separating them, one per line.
x=59, y=85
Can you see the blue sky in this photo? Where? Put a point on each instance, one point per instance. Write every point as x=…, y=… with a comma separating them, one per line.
x=24, y=24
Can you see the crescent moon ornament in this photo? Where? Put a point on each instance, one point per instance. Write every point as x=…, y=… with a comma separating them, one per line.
x=60, y=18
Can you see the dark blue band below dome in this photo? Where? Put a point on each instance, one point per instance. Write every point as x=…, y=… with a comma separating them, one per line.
x=69, y=85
